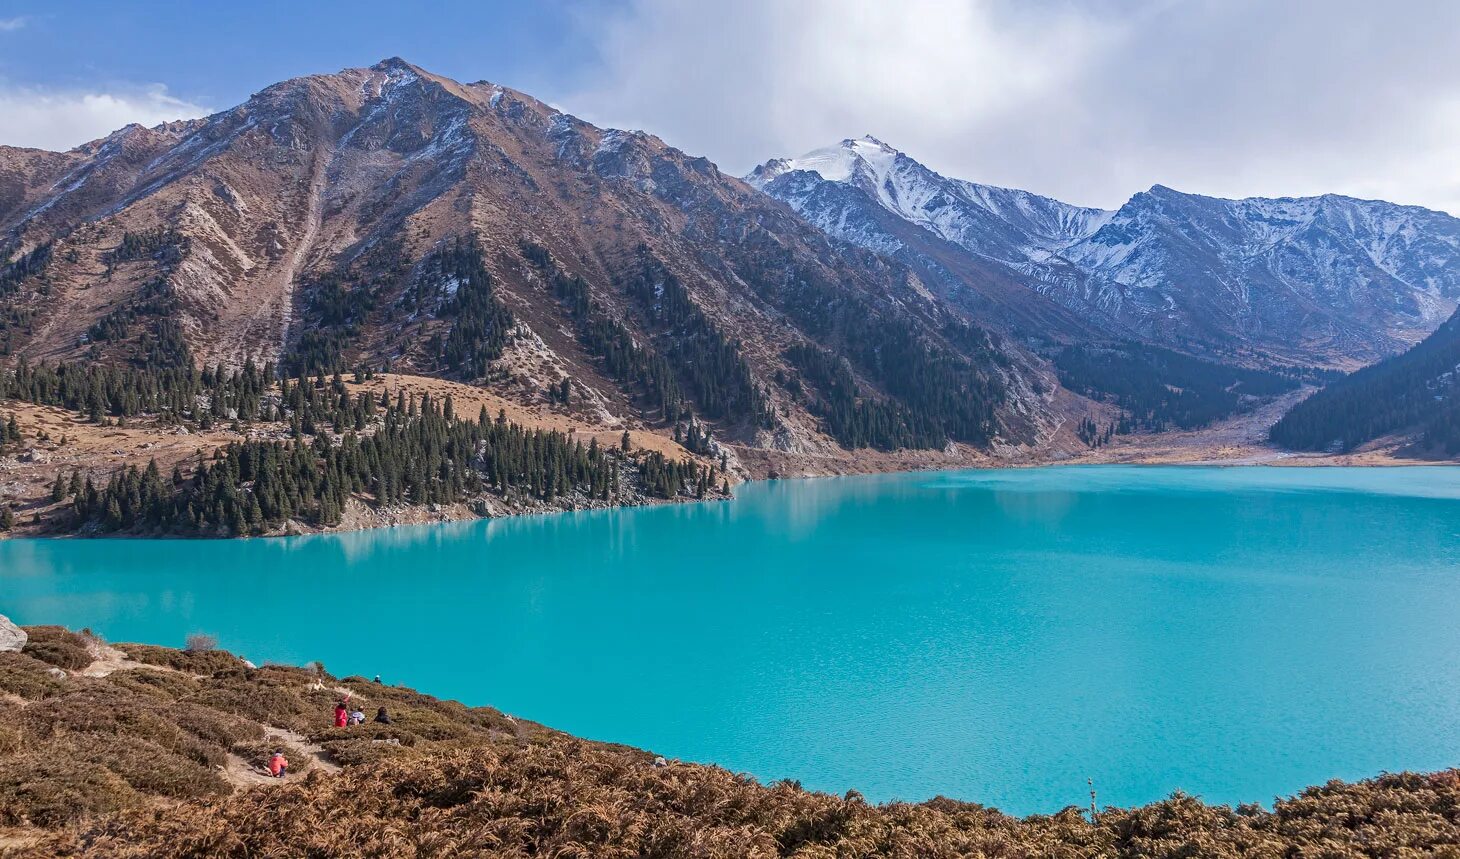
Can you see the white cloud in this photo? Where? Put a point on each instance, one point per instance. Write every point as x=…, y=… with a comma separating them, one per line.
x=54, y=119
x=1087, y=101
x=8, y=25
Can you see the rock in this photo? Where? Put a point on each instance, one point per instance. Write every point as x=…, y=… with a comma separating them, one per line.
x=35, y=455
x=12, y=637
x=57, y=673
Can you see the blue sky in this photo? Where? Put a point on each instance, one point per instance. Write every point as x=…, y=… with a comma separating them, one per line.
x=1085, y=100
x=217, y=53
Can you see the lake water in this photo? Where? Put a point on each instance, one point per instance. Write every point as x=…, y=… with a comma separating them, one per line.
x=996, y=636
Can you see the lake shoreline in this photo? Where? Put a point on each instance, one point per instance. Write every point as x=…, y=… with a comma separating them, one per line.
x=1152, y=450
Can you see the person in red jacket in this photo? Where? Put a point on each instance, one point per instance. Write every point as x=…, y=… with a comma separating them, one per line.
x=278, y=765
x=342, y=715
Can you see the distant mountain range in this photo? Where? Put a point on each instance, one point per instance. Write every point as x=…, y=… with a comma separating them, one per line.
x=1321, y=280
x=389, y=217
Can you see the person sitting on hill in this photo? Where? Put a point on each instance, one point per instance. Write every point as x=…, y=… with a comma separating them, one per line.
x=342, y=715
x=357, y=716
x=382, y=717
x=278, y=765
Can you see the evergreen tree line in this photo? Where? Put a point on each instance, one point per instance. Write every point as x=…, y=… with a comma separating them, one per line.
x=117, y=392
x=154, y=306
x=165, y=244
x=32, y=264
x=338, y=304
x=154, y=300
x=604, y=337
x=1158, y=389
x=718, y=378
x=480, y=324
x=696, y=437
x=397, y=450
x=851, y=419
x=420, y=455
x=1414, y=391
x=9, y=431
x=939, y=385
x=14, y=320
x=451, y=283
x=1092, y=434
x=667, y=478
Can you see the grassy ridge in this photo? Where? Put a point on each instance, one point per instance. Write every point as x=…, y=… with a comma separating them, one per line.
x=137, y=763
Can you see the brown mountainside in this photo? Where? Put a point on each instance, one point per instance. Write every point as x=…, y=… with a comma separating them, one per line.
x=323, y=224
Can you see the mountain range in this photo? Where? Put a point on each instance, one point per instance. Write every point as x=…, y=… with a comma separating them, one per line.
x=1328, y=281
x=851, y=298
x=305, y=228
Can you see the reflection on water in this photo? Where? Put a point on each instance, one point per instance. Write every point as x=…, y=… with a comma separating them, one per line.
x=994, y=635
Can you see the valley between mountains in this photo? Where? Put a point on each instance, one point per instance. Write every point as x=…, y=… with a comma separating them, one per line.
x=384, y=296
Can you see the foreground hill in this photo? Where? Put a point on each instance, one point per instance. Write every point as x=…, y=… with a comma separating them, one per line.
x=135, y=751
x=1328, y=281
x=1412, y=394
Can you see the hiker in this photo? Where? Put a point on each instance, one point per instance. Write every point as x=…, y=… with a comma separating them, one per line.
x=342, y=715
x=357, y=716
x=382, y=717
x=278, y=765
x=377, y=679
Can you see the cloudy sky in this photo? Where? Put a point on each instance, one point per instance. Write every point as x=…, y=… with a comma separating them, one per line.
x=1086, y=100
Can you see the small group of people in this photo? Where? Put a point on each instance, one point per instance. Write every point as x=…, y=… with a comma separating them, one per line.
x=345, y=716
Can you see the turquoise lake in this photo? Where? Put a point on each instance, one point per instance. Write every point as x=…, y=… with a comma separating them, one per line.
x=994, y=636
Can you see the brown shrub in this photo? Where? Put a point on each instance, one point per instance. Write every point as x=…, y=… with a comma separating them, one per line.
x=149, y=768
x=168, y=685
x=58, y=646
x=362, y=751
x=50, y=790
x=27, y=677
x=201, y=662
x=218, y=729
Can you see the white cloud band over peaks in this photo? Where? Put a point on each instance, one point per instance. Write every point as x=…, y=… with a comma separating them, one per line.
x=1087, y=100
x=62, y=119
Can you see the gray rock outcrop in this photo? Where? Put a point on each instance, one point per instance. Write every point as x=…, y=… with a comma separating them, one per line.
x=12, y=637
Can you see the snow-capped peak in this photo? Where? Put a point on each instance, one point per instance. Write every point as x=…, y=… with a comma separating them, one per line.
x=1001, y=223
x=836, y=163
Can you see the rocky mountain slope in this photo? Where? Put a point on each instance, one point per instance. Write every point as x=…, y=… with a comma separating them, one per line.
x=390, y=218
x=1329, y=280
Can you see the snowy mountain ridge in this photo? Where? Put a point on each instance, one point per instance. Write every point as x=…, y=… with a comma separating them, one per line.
x=957, y=211
x=1331, y=280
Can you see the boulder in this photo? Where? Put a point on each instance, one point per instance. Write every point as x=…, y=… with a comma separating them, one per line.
x=12, y=637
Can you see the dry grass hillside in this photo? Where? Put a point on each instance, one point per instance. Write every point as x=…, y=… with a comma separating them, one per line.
x=142, y=751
